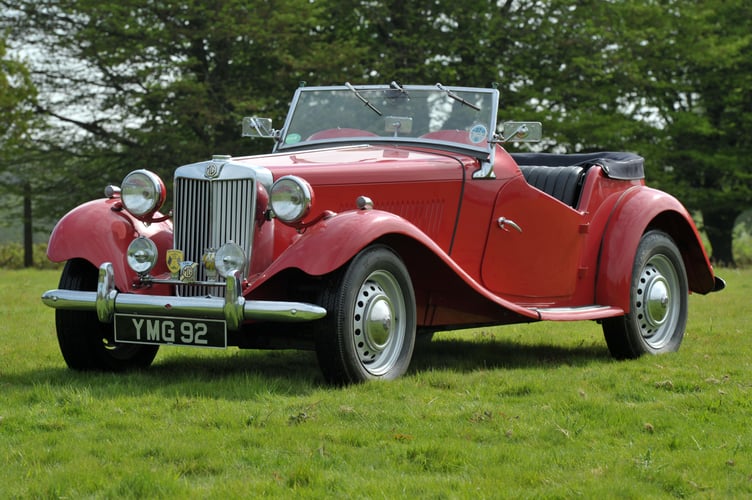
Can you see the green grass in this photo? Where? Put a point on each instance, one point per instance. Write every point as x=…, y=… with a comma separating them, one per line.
x=521, y=411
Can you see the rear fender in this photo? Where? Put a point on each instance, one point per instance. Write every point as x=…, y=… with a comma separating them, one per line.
x=641, y=209
x=100, y=231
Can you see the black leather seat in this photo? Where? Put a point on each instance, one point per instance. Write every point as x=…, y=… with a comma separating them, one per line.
x=563, y=183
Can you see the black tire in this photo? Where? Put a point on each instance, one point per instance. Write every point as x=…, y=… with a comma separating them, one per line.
x=657, y=318
x=86, y=343
x=369, y=330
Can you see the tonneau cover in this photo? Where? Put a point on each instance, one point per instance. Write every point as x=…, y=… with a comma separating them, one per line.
x=616, y=165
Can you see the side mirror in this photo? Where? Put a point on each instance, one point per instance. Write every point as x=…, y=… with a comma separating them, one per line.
x=521, y=132
x=254, y=126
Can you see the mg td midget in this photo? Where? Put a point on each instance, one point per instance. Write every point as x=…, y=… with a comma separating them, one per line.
x=384, y=212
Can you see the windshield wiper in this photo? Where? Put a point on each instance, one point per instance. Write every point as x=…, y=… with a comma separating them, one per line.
x=396, y=86
x=365, y=101
x=457, y=98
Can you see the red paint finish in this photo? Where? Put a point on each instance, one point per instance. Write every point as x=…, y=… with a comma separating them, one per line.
x=444, y=223
x=637, y=209
x=98, y=231
x=542, y=259
x=564, y=257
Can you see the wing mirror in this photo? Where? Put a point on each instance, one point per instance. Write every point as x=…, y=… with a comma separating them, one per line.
x=254, y=126
x=521, y=132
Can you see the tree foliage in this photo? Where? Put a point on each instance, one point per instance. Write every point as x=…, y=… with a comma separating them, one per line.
x=709, y=122
x=139, y=83
x=17, y=94
x=17, y=98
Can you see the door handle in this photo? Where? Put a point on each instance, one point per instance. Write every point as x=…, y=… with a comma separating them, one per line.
x=505, y=224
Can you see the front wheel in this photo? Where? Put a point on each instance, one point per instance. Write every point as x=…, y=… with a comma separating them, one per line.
x=369, y=330
x=85, y=342
x=657, y=317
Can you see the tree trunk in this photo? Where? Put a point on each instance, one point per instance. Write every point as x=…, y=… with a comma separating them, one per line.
x=27, y=227
x=719, y=226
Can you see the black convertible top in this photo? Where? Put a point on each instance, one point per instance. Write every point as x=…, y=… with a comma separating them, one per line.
x=616, y=165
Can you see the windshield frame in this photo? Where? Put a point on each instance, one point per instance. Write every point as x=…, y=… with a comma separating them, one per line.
x=481, y=145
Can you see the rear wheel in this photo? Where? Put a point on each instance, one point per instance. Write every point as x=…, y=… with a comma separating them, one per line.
x=657, y=318
x=369, y=331
x=86, y=343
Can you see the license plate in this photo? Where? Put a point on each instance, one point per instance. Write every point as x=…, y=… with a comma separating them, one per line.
x=173, y=331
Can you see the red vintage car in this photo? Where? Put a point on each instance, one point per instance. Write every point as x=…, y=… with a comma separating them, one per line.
x=383, y=212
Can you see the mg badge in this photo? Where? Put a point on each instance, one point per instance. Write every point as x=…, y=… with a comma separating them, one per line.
x=188, y=271
x=212, y=170
x=174, y=258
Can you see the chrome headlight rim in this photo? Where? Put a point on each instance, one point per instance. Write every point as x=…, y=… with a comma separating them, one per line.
x=290, y=199
x=143, y=193
x=142, y=255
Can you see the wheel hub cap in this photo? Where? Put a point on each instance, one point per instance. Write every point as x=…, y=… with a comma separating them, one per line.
x=378, y=323
x=373, y=321
x=657, y=300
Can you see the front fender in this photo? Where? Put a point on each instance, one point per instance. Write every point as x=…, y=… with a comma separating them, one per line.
x=639, y=210
x=331, y=243
x=99, y=231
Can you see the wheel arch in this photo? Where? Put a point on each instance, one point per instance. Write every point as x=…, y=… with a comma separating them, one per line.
x=641, y=210
x=700, y=276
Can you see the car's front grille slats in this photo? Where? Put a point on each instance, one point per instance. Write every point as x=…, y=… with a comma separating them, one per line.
x=209, y=214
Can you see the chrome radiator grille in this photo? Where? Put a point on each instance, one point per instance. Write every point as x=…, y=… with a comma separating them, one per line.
x=208, y=214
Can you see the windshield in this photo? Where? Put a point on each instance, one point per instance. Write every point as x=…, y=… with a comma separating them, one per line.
x=459, y=116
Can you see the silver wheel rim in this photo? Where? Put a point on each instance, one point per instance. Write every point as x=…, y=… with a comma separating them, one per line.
x=658, y=301
x=379, y=322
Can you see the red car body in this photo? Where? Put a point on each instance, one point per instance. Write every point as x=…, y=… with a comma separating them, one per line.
x=487, y=237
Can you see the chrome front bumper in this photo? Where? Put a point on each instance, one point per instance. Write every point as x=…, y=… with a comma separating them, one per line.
x=233, y=308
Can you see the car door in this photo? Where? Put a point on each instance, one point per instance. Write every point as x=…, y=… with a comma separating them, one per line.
x=533, y=246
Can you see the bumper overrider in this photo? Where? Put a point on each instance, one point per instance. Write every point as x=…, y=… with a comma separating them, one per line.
x=234, y=309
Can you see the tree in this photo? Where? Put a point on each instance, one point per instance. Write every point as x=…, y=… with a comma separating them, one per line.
x=17, y=96
x=709, y=121
x=143, y=84
x=137, y=84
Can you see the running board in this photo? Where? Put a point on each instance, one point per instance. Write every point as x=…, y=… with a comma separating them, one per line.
x=577, y=313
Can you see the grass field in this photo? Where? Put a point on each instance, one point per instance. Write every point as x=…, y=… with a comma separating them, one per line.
x=522, y=411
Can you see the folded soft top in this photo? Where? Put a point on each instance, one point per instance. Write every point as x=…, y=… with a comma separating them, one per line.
x=617, y=165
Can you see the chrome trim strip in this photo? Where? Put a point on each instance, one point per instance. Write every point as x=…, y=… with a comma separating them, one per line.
x=233, y=308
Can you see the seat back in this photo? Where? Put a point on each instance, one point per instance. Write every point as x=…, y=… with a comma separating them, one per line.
x=563, y=183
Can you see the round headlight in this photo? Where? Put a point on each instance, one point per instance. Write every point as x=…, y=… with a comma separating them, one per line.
x=290, y=198
x=142, y=255
x=229, y=259
x=143, y=193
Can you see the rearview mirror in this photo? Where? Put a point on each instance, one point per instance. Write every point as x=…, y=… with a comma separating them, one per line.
x=254, y=126
x=521, y=132
x=398, y=124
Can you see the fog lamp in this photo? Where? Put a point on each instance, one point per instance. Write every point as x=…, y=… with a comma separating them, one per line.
x=229, y=259
x=142, y=255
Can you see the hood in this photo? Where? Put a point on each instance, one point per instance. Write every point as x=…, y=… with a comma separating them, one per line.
x=356, y=163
